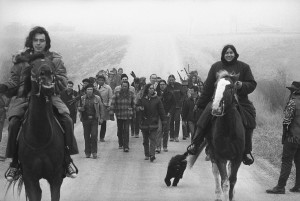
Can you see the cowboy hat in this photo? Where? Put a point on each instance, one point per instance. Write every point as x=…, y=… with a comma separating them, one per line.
x=294, y=86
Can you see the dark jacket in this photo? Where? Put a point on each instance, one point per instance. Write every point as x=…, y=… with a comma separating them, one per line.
x=177, y=92
x=246, y=77
x=65, y=97
x=21, y=70
x=153, y=111
x=246, y=108
x=168, y=100
x=188, y=113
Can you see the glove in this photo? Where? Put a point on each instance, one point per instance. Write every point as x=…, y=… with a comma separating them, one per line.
x=3, y=88
x=133, y=74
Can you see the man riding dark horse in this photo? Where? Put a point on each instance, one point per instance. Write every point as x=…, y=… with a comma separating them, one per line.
x=245, y=85
x=37, y=46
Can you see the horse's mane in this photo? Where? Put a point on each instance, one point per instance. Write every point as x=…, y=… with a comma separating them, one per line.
x=224, y=73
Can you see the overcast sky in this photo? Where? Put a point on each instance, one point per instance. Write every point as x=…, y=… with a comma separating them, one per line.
x=154, y=16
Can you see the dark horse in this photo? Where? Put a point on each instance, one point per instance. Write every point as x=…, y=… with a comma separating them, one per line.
x=228, y=135
x=41, y=141
x=226, y=141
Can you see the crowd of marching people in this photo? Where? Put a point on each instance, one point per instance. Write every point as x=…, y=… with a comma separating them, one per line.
x=154, y=108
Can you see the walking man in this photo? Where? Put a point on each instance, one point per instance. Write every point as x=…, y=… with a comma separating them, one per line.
x=291, y=142
x=68, y=95
x=92, y=111
x=123, y=105
x=106, y=97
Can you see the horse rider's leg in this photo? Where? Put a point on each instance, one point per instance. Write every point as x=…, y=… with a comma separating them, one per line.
x=222, y=165
x=248, y=147
x=55, y=185
x=234, y=166
x=70, y=141
x=216, y=173
x=12, y=148
x=202, y=125
x=33, y=189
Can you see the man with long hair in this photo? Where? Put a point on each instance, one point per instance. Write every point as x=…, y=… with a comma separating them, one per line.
x=37, y=45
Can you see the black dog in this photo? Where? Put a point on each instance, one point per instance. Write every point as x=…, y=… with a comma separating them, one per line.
x=176, y=168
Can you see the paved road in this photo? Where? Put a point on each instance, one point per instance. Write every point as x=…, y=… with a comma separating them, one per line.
x=120, y=176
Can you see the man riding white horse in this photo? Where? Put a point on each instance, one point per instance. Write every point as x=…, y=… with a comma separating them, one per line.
x=245, y=85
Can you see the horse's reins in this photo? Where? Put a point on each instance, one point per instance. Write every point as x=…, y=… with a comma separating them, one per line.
x=38, y=81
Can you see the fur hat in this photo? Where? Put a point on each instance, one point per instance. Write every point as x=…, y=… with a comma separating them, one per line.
x=123, y=75
x=294, y=86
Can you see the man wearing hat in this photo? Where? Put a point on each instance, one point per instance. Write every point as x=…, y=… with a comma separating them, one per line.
x=92, y=113
x=290, y=141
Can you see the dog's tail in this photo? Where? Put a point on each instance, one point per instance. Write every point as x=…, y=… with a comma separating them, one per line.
x=193, y=158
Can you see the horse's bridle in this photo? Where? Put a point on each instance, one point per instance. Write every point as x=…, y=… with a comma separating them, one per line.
x=40, y=82
x=221, y=112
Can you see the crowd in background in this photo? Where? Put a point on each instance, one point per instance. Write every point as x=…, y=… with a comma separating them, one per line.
x=154, y=107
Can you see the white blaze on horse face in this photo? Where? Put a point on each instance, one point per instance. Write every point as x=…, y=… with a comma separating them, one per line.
x=219, y=93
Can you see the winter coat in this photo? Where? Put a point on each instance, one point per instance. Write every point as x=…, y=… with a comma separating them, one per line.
x=249, y=84
x=118, y=88
x=178, y=93
x=123, y=107
x=188, y=113
x=22, y=69
x=106, y=96
x=168, y=100
x=153, y=111
x=99, y=107
x=65, y=97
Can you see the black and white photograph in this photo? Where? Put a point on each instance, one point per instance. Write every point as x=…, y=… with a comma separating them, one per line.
x=149, y=100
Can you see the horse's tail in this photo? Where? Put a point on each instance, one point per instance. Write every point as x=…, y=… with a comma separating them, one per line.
x=193, y=158
x=18, y=183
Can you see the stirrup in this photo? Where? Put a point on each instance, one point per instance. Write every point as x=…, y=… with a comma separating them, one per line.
x=12, y=175
x=192, y=149
x=70, y=166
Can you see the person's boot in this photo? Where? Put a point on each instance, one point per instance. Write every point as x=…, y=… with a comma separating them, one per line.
x=276, y=190
x=71, y=169
x=295, y=189
x=13, y=172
